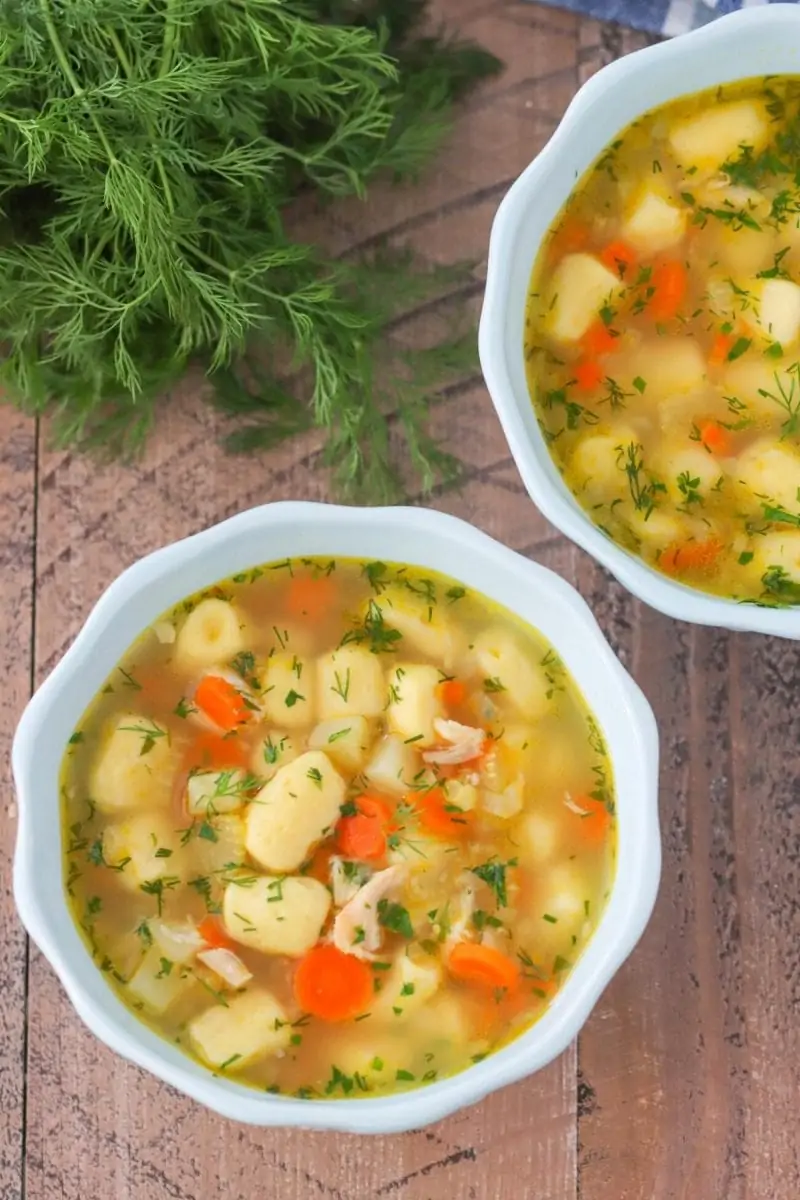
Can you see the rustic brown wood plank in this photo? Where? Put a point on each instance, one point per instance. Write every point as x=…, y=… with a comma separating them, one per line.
x=113, y=1130
x=17, y=499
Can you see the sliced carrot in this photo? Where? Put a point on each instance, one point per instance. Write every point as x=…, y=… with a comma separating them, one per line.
x=669, y=282
x=438, y=816
x=715, y=438
x=332, y=985
x=593, y=827
x=599, y=339
x=720, y=348
x=311, y=596
x=212, y=933
x=588, y=374
x=619, y=257
x=452, y=692
x=211, y=750
x=221, y=702
x=363, y=835
x=483, y=965
x=690, y=556
x=570, y=236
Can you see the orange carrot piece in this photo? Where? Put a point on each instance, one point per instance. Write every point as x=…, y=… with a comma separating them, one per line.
x=588, y=374
x=440, y=817
x=332, y=985
x=669, y=282
x=570, y=236
x=211, y=750
x=619, y=257
x=221, y=702
x=720, y=348
x=690, y=556
x=715, y=438
x=363, y=835
x=483, y=965
x=595, y=824
x=311, y=596
x=212, y=933
x=452, y=692
x=598, y=340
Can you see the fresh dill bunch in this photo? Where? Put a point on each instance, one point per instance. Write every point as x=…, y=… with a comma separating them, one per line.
x=148, y=151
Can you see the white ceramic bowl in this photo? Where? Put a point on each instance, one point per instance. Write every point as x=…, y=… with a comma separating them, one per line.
x=753, y=42
x=277, y=531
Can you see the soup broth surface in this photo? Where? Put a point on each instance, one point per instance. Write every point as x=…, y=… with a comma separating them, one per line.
x=663, y=341
x=338, y=828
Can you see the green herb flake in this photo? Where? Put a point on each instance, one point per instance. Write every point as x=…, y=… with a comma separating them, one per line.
x=395, y=918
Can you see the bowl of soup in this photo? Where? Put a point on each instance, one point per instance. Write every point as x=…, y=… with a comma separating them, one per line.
x=337, y=818
x=640, y=334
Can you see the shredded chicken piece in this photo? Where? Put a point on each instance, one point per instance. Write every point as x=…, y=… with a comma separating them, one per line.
x=346, y=879
x=573, y=807
x=227, y=965
x=463, y=907
x=356, y=929
x=464, y=743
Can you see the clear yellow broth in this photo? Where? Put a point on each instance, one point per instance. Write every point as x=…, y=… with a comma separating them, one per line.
x=512, y=850
x=663, y=341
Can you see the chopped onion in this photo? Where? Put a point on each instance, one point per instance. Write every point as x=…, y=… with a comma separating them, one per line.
x=165, y=632
x=573, y=807
x=227, y=965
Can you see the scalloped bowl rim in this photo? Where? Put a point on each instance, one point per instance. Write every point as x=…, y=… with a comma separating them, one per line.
x=135, y=599
x=718, y=52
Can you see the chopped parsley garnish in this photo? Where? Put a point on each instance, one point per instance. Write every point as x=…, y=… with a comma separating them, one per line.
x=395, y=918
x=493, y=873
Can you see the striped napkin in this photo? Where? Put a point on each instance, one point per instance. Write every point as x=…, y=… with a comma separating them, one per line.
x=668, y=17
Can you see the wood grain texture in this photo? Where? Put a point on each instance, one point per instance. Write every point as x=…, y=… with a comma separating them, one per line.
x=682, y=1085
x=17, y=522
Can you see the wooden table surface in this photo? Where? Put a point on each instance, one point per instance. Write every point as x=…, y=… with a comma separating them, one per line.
x=681, y=1084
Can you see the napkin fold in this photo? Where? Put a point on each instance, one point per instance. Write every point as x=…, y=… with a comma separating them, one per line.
x=668, y=17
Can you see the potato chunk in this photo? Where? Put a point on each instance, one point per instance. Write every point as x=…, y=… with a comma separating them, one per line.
x=414, y=702
x=654, y=224
x=516, y=683
x=345, y=740
x=392, y=766
x=289, y=690
x=211, y=792
x=252, y=1026
x=213, y=633
x=146, y=847
x=134, y=768
x=293, y=811
x=158, y=982
x=276, y=915
x=273, y=752
x=779, y=311
x=580, y=286
x=350, y=683
x=717, y=133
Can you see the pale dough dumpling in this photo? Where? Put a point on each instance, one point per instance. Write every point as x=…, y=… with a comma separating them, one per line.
x=687, y=464
x=149, y=846
x=715, y=134
x=772, y=472
x=423, y=625
x=350, y=683
x=757, y=383
x=654, y=223
x=294, y=811
x=408, y=986
x=501, y=659
x=781, y=550
x=538, y=837
x=273, y=752
x=597, y=462
x=579, y=288
x=211, y=635
x=670, y=366
x=779, y=311
x=252, y=1026
x=288, y=690
x=133, y=769
x=414, y=702
x=276, y=915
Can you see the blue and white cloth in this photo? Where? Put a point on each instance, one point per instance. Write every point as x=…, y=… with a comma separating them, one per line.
x=668, y=17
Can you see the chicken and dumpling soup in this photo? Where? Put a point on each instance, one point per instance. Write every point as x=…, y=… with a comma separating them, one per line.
x=663, y=341
x=338, y=828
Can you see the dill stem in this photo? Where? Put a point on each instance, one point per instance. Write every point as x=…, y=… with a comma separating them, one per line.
x=71, y=78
